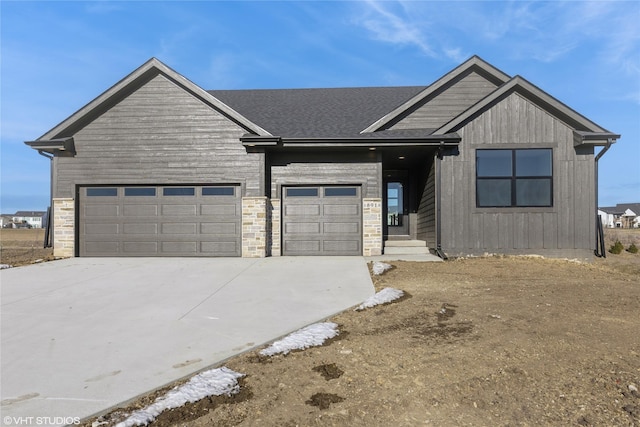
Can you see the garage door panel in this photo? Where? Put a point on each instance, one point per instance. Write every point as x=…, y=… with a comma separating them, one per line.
x=302, y=210
x=225, y=209
x=341, y=246
x=228, y=248
x=179, y=228
x=160, y=221
x=341, y=228
x=302, y=228
x=92, y=211
x=180, y=248
x=219, y=228
x=311, y=247
x=140, y=210
x=140, y=228
x=101, y=228
x=179, y=210
x=139, y=248
x=102, y=247
x=345, y=209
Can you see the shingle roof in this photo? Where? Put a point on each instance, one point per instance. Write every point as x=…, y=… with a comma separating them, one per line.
x=29, y=213
x=635, y=207
x=313, y=113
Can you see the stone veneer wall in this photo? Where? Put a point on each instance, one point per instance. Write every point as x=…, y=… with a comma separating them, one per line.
x=372, y=226
x=64, y=221
x=275, y=228
x=254, y=227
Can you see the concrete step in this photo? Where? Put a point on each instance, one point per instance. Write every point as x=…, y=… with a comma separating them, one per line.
x=405, y=250
x=405, y=243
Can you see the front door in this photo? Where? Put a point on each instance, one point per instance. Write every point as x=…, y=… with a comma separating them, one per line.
x=397, y=218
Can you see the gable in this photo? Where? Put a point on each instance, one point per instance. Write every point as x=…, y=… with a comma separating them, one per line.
x=533, y=94
x=468, y=71
x=446, y=103
x=514, y=119
x=159, y=113
x=130, y=84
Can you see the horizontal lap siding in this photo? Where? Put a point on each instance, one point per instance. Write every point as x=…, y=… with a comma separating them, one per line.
x=298, y=170
x=515, y=122
x=447, y=104
x=159, y=134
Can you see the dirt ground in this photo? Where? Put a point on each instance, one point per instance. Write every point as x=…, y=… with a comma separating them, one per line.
x=23, y=246
x=496, y=341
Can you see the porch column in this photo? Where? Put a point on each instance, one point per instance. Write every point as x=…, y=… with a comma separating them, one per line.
x=372, y=226
x=254, y=227
x=64, y=227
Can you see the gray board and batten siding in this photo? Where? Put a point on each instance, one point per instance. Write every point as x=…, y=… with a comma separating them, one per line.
x=516, y=122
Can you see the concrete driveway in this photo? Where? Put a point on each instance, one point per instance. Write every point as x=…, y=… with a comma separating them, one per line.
x=84, y=334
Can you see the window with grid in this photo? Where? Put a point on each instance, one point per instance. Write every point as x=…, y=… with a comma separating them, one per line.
x=514, y=178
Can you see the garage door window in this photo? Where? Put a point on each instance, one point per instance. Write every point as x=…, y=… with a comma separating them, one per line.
x=218, y=191
x=139, y=191
x=179, y=191
x=302, y=192
x=340, y=192
x=102, y=192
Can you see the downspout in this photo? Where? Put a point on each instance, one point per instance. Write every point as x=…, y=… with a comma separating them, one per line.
x=599, y=250
x=47, y=231
x=438, y=191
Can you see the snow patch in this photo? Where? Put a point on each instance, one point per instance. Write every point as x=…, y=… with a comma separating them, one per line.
x=380, y=267
x=384, y=296
x=310, y=336
x=214, y=382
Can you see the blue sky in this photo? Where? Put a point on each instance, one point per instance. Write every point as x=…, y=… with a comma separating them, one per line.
x=58, y=56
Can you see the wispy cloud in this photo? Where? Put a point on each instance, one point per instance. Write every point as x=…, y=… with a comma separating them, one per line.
x=394, y=26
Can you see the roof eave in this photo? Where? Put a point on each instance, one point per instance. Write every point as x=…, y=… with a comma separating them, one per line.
x=596, y=139
x=60, y=147
x=452, y=139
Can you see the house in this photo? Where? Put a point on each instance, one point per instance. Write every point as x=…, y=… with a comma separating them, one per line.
x=478, y=161
x=6, y=221
x=623, y=215
x=32, y=218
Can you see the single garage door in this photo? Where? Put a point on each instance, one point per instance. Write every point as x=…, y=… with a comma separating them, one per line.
x=160, y=221
x=322, y=220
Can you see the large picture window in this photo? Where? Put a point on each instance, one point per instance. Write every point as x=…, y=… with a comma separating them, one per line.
x=514, y=178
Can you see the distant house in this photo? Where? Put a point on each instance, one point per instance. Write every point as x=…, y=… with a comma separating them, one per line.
x=623, y=215
x=32, y=218
x=479, y=161
x=6, y=221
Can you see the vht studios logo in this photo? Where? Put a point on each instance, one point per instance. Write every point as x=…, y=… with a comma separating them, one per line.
x=40, y=421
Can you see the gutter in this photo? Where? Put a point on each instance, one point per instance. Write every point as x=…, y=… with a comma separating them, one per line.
x=599, y=251
x=47, y=232
x=438, y=160
x=362, y=141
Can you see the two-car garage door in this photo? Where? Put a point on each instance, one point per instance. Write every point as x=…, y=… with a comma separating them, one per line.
x=160, y=221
